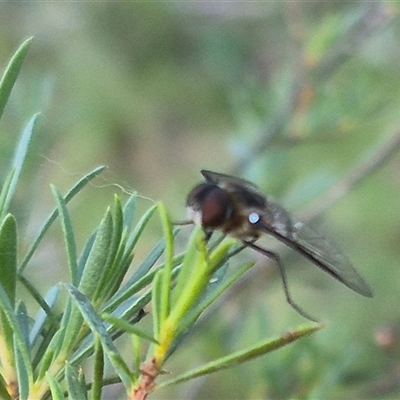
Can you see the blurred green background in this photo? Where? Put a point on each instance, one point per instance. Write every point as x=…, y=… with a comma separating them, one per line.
x=289, y=95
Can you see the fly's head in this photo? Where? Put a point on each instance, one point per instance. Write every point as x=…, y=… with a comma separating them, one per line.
x=209, y=206
x=227, y=206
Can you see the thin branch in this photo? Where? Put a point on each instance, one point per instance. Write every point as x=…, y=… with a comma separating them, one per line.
x=370, y=163
x=373, y=16
x=298, y=81
x=148, y=374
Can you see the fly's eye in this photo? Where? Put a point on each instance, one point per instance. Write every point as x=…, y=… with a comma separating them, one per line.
x=212, y=203
x=253, y=218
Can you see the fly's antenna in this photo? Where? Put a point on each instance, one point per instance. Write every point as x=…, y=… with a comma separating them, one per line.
x=275, y=257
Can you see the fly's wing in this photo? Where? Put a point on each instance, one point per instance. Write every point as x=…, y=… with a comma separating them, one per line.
x=227, y=180
x=277, y=222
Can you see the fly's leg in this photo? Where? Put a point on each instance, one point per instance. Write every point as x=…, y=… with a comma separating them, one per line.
x=275, y=257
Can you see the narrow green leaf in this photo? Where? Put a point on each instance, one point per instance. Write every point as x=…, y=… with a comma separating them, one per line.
x=113, y=269
x=156, y=294
x=23, y=321
x=23, y=379
x=149, y=262
x=45, y=363
x=97, y=326
x=121, y=368
x=69, y=236
x=204, y=265
x=130, y=309
x=137, y=352
x=11, y=72
x=97, y=260
x=98, y=369
x=5, y=190
x=213, y=296
x=9, y=315
x=121, y=269
x=165, y=285
x=76, y=390
x=139, y=228
x=56, y=391
x=123, y=295
x=74, y=190
x=22, y=148
x=135, y=286
x=85, y=253
x=45, y=314
x=129, y=212
x=4, y=395
x=82, y=381
x=8, y=256
x=195, y=286
x=248, y=354
x=36, y=295
x=18, y=161
x=189, y=261
x=119, y=294
x=219, y=255
x=46, y=327
x=70, y=332
x=7, y=349
x=127, y=327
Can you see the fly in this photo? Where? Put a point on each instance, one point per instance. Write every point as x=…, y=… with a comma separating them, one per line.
x=237, y=208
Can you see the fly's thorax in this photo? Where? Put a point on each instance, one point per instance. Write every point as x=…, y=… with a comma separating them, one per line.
x=243, y=224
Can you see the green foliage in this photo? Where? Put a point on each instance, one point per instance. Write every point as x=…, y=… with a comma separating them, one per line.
x=301, y=98
x=11, y=72
x=42, y=357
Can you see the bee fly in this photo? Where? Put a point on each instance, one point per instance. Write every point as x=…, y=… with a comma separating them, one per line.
x=237, y=208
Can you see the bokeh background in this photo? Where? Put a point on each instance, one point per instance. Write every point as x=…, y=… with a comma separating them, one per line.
x=295, y=96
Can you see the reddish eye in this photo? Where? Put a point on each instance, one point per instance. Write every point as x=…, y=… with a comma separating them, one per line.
x=212, y=202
